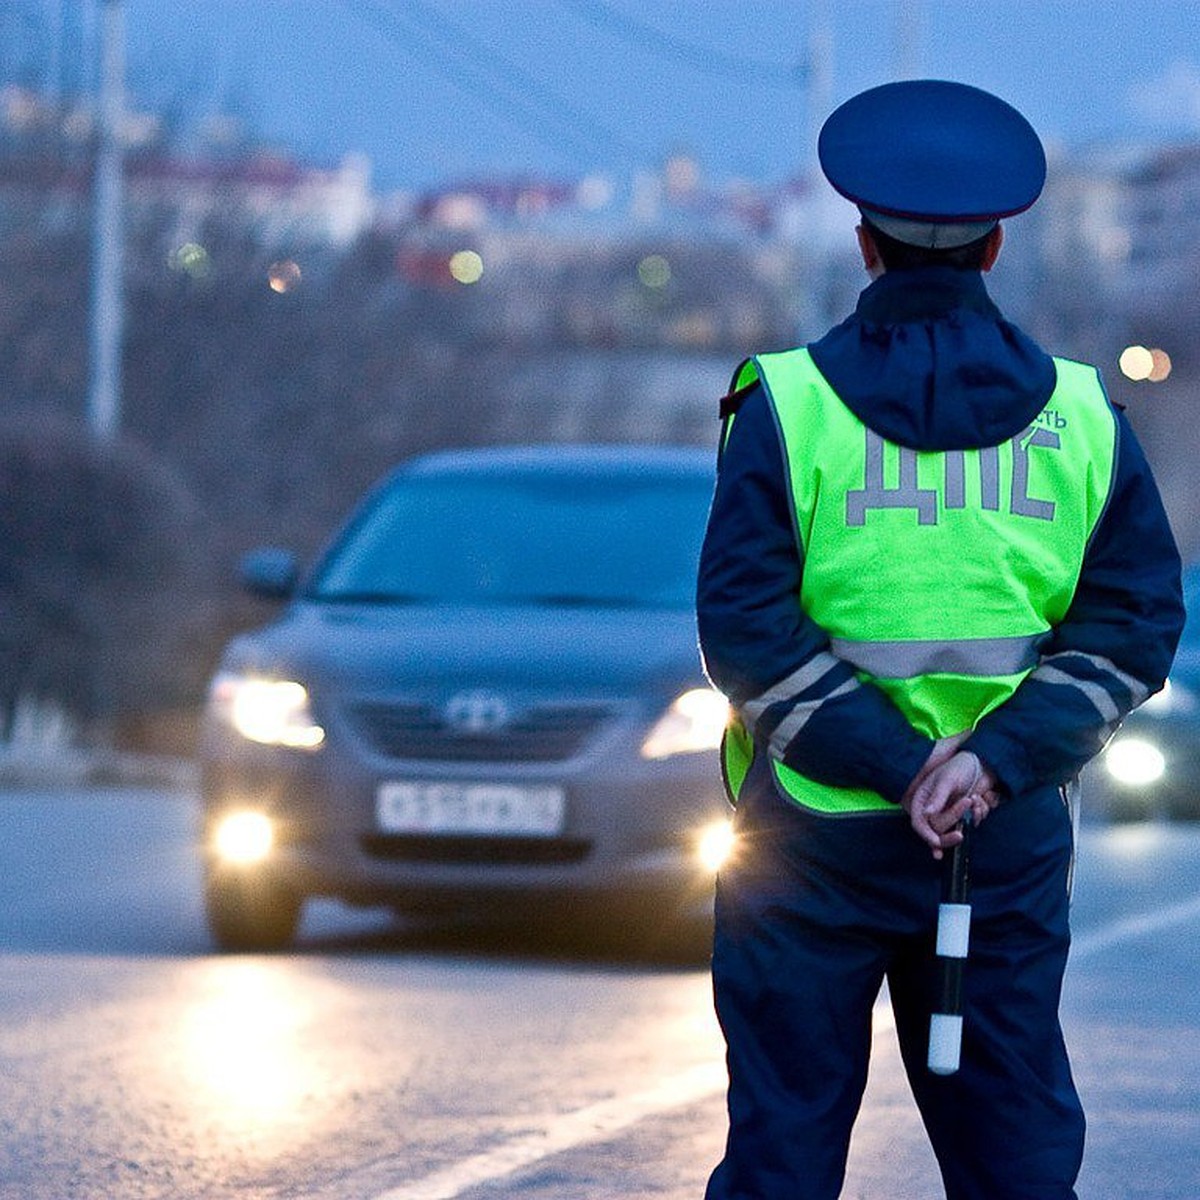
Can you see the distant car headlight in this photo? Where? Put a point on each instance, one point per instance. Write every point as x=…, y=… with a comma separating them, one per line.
x=273, y=712
x=694, y=722
x=1134, y=761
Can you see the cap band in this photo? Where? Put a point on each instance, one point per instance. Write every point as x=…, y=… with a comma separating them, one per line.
x=941, y=235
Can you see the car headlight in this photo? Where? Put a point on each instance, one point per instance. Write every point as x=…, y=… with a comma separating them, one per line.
x=694, y=722
x=1134, y=761
x=273, y=712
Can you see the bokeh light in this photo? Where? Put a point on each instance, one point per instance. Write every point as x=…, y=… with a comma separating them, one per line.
x=284, y=276
x=466, y=266
x=1136, y=362
x=190, y=259
x=1140, y=363
x=654, y=271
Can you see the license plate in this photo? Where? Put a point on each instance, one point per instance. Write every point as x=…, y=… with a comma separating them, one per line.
x=470, y=808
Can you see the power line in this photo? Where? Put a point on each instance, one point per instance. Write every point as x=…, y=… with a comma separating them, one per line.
x=701, y=58
x=477, y=69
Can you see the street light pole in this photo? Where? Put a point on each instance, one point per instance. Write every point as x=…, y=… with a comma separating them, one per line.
x=104, y=393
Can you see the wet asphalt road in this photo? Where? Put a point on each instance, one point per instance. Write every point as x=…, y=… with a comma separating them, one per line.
x=388, y=1063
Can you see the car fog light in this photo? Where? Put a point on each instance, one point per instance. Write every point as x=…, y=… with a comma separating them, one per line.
x=1134, y=761
x=715, y=844
x=244, y=838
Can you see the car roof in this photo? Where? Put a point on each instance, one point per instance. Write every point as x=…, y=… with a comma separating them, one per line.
x=566, y=460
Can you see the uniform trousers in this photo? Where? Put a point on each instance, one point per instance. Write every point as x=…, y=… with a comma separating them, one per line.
x=813, y=913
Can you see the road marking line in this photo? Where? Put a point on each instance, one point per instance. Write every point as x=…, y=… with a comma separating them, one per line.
x=602, y=1120
x=1129, y=928
x=591, y=1124
x=595, y=1123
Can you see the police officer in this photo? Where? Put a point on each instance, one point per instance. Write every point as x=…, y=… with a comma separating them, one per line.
x=937, y=575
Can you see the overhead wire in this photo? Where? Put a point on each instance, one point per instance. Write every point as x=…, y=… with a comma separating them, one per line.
x=704, y=59
x=474, y=67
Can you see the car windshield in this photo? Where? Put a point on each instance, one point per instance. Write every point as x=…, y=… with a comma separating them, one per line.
x=624, y=541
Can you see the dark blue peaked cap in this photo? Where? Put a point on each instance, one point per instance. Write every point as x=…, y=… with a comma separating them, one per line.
x=930, y=150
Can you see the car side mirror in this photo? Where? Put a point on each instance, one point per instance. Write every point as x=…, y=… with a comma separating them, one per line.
x=269, y=573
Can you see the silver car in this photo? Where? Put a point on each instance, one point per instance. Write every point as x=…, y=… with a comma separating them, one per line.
x=486, y=696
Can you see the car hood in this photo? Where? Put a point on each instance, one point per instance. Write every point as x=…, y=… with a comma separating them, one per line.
x=424, y=648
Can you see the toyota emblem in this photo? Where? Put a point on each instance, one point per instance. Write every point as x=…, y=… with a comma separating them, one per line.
x=476, y=712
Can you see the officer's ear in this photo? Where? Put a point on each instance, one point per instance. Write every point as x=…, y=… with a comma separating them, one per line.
x=991, y=250
x=870, y=252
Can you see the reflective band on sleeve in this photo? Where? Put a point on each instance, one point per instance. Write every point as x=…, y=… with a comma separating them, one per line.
x=1137, y=690
x=1096, y=693
x=953, y=930
x=800, y=680
x=799, y=717
x=982, y=657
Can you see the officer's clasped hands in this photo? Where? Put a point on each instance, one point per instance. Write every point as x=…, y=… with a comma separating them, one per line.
x=952, y=783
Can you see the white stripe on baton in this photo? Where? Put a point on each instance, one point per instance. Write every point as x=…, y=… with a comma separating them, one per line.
x=953, y=940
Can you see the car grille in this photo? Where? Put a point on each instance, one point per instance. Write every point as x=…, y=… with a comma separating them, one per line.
x=542, y=733
x=491, y=850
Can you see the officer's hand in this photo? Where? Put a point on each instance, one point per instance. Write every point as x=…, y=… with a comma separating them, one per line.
x=943, y=749
x=939, y=799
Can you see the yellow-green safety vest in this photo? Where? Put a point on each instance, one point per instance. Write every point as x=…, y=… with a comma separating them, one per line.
x=936, y=573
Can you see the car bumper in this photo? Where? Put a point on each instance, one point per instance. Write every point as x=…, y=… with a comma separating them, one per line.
x=630, y=828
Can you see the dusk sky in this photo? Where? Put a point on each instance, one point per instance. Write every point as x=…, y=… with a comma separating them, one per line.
x=440, y=89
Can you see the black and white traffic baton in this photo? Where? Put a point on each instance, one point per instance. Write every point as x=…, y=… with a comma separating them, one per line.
x=953, y=937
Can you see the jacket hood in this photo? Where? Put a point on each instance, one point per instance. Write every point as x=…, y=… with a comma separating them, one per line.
x=928, y=361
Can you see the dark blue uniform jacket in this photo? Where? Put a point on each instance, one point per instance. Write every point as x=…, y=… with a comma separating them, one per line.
x=929, y=362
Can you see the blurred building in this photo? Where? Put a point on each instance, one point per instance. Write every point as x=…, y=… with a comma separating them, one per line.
x=46, y=149
x=665, y=261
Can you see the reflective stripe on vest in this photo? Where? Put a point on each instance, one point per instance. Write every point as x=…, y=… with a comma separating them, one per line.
x=967, y=656
x=937, y=574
